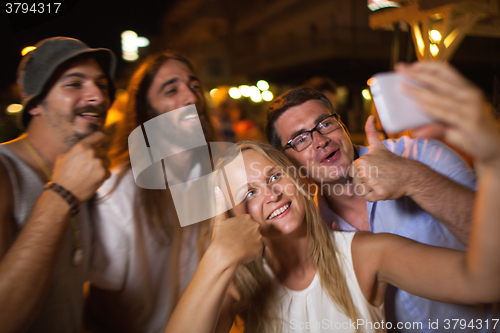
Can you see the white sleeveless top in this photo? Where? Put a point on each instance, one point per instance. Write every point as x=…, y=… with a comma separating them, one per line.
x=312, y=310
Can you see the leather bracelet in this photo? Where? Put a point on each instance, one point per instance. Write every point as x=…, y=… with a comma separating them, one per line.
x=66, y=195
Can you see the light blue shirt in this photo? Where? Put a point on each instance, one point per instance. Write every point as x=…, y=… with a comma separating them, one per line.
x=405, y=218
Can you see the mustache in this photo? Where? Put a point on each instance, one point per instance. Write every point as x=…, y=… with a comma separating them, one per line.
x=90, y=108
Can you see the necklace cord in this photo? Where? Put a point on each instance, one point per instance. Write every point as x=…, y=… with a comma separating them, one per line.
x=65, y=194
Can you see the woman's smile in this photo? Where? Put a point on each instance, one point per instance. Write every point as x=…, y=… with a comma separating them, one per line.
x=272, y=199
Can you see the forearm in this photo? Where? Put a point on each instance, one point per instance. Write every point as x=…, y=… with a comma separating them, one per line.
x=446, y=200
x=27, y=267
x=199, y=308
x=483, y=261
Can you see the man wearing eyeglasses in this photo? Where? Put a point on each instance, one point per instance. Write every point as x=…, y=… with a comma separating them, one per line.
x=415, y=188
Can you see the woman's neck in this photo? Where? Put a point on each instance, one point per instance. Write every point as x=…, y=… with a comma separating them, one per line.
x=290, y=260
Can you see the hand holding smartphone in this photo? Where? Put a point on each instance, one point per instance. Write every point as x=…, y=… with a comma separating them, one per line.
x=397, y=111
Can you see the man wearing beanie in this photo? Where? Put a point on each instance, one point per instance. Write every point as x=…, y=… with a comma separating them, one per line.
x=46, y=176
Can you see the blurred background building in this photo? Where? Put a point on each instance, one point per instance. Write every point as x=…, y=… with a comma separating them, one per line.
x=236, y=44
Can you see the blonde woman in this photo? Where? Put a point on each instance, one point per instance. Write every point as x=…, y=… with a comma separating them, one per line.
x=310, y=279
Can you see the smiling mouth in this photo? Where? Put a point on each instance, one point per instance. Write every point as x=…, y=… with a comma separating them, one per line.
x=280, y=211
x=192, y=116
x=330, y=156
x=93, y=116
x=189, y=114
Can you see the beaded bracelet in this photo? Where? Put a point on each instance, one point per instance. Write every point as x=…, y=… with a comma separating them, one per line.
x=66, y=195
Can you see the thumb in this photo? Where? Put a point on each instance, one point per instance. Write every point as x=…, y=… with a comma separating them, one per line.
x=220, y=206
x=372, y=134
x=352, y=170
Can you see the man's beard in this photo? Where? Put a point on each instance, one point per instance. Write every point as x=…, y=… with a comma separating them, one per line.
x=207, y=127
x=176, y=139
x=172, y=132
x=93, y=127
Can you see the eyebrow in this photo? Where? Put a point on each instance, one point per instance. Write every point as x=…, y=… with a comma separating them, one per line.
x=244, y=186
x=171, y=81
x=175, y=80
x=268, y=173
x=272, y=170
x=193, y=78
x=318, y=119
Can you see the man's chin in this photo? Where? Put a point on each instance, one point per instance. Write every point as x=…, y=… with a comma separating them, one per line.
x=94, y=127
x=330, y=178
x=91, y=128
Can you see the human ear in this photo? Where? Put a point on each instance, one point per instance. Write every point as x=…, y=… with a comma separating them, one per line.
x=36, y=109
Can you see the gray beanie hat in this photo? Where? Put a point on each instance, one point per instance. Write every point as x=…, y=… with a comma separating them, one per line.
x=38, y=66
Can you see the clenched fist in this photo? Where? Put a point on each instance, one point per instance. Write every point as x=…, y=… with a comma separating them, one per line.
x=237, y=239
x=84, y=168
x=382, y=174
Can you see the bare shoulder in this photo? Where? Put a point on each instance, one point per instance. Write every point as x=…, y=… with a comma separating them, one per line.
x=366, y=241
x=378, y=253
x=365, y=250
x=367, y=254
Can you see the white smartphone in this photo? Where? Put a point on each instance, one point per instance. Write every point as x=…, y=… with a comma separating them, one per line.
x=397, y=111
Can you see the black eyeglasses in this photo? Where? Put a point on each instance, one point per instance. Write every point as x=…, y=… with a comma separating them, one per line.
x=304, y=139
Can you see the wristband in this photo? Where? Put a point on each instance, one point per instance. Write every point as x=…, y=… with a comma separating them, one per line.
x=66, y=195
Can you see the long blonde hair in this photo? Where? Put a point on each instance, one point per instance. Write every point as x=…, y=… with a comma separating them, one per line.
x=257, y=300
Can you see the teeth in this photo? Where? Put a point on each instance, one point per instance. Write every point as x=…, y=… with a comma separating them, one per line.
x=191, y=116
x=278, y=211
x=91, y=114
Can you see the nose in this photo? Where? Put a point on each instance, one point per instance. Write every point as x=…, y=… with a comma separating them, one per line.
x=272, y=193
x=95, y=95
x=320, y=141
x=190, y=96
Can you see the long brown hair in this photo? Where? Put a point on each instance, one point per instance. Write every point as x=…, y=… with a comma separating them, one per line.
x=256, y=305
x=154, y=207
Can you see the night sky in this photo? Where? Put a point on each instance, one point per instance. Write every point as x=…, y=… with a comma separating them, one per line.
x=98, y=23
